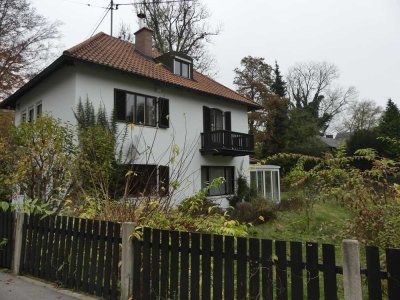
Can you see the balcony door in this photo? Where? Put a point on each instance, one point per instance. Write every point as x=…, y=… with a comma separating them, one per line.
x=215, y=119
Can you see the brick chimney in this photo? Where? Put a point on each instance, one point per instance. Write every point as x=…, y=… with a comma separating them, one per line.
x=143, y=41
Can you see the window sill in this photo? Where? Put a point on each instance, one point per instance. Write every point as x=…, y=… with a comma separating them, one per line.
x=140, y=125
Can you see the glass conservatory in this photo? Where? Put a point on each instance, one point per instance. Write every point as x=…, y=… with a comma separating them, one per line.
x=266, y=181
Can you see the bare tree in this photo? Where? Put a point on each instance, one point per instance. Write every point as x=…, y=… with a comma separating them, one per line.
x=26, y=41
x=312, y=85
x=362, y=115
x=180, y=26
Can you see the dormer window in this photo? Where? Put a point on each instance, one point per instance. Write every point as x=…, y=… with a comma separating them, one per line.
x=181, y=68
x=178, y=63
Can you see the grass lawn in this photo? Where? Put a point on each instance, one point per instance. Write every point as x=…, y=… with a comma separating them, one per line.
x=327, y=223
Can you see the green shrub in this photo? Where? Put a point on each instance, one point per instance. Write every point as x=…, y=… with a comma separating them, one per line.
x=257, y=211
x=242, y=192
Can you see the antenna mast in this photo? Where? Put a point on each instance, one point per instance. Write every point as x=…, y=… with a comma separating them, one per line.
x=112, y=15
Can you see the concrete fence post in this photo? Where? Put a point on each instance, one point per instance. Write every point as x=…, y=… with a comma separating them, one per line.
x=351, y=270
x=127, y=260
x=16, y=258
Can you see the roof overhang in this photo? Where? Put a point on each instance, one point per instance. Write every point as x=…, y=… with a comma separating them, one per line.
x=65, y=59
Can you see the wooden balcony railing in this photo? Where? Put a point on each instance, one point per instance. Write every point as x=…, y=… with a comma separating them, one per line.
x=229, y=143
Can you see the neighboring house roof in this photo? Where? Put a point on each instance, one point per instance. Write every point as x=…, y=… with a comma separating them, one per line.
x=330, y=142
x=105, y=50
x=344, y=135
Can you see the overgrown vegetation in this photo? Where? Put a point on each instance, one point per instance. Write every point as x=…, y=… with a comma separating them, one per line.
x=369, y=195
x=91, y=176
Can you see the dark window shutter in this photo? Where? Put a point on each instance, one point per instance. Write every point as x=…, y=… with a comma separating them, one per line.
x=163, y=113
x=228, y=122
x=120, y=105
x=206, y=119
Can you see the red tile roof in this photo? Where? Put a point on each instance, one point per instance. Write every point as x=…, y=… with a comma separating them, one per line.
x=109, y=51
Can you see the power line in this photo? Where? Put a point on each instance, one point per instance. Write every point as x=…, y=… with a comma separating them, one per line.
x=108, y=8
x=160, y=2
x=84, y=4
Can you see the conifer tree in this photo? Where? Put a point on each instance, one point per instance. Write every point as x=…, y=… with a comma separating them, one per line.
x=279, y=85
x=389, y=124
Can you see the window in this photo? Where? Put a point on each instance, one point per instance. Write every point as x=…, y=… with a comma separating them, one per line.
x=38, y=110
x=266, y=182
x=23, y=117
x=182, y=68
x=138, y=109
x=31, y=115
x=208, y=174
x=148, y=180
x=215, y=119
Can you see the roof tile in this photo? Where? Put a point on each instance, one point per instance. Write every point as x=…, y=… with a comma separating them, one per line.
x=113, y=52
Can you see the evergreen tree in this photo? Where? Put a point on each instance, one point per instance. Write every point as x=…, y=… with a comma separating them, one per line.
x=302, y=133
x=279, y=85
x=102, y=119
x=389, y=125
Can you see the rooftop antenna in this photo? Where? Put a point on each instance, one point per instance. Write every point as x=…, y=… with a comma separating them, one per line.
x=112, y=8
x=142, y=20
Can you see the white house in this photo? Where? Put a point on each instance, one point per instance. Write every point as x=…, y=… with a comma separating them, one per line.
x=170, y=103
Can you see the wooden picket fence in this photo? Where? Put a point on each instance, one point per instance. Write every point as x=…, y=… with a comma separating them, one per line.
x=182, y=265
x=85, y=255
x=77, y=253
x=6, y=238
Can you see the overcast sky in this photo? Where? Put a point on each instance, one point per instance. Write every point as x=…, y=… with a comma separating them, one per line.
x=362, y=37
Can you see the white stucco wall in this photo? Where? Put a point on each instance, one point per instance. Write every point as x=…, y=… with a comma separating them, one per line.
x=61, y=92
x=56, y=93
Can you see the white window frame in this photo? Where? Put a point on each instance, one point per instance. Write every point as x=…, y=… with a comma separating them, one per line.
x=273, y=170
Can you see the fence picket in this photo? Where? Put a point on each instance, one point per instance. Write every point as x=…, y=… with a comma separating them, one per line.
x=393, y=270
x=42, y=271
x=329, y=269
x=373, y=273
x=312, y=271
x=195, y=267
x=229, y=288
x=100, y=263
x=217, y=266
x=107, y=270
x=155, y=264
x=33, y=249
x=137, y=264
x=174, y=267
x=206, y=266
x=146, y=284
x=79, y=263
x=281, y=274
x=61, y=250
x=254, y=268
x=50, y=245
x=74, y=254
x=267, y=273
x=94, y=258
x=24, y=243
x=86, y=256
x=116, y=256
x=184, y=268
x=54, y=265
x=241, y=291
x=67, y=251
x=296, y=275
x=164, y=264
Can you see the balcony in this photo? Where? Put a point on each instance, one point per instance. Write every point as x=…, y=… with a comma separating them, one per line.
x=227, y=143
